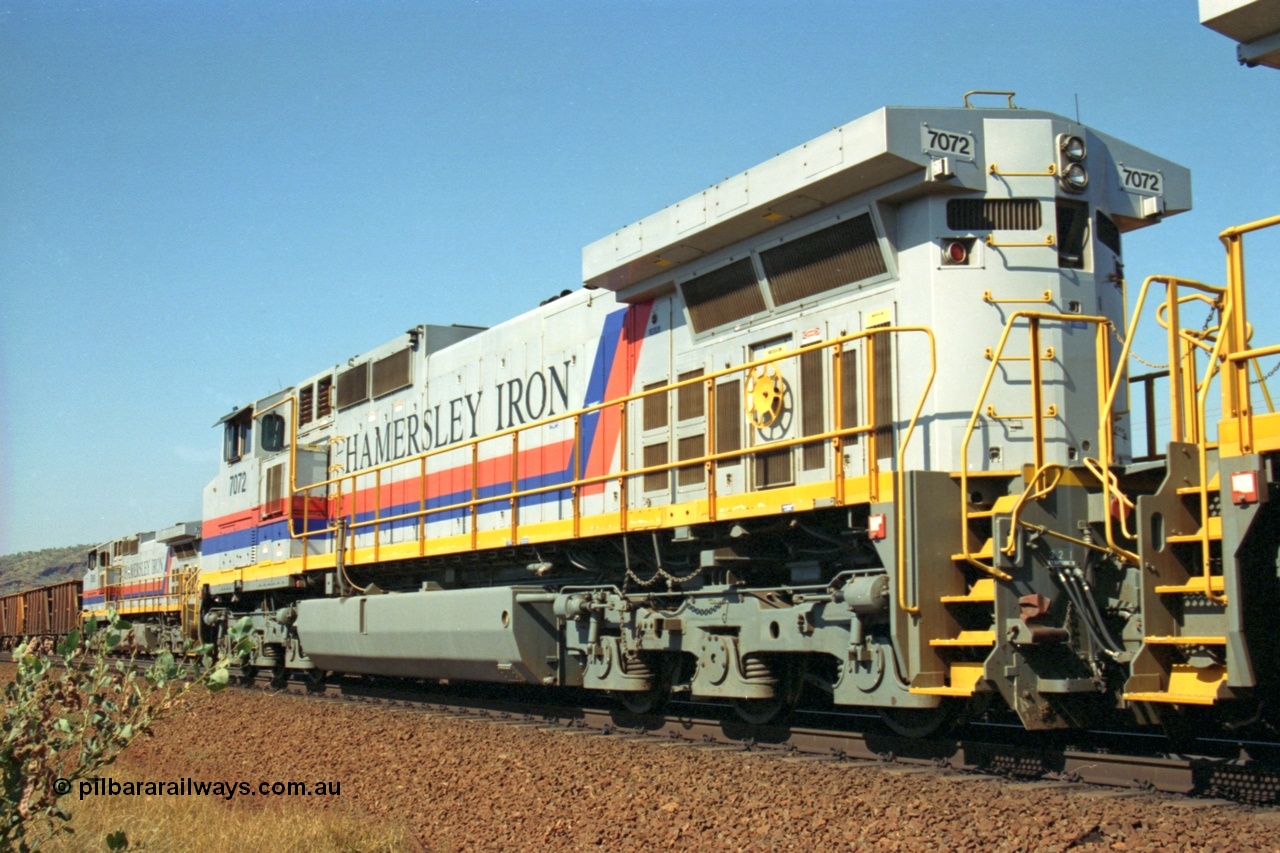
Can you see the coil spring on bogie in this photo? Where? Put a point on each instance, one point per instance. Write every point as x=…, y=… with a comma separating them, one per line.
x=635, y=665
x=755, y=668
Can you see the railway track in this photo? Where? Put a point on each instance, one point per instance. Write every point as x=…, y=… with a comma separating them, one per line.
x=1245, y=772
x=1239, y=771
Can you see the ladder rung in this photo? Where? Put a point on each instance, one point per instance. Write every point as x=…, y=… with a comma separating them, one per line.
x=1195, y=490
x=1190, y=640
x=1215, y=533
x=975, y=475
x=983, y=553
x=1193, y=586
x=982, y=591
x=1003, y=506
x=968, y=638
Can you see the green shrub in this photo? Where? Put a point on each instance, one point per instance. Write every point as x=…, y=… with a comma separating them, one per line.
x=64, y=723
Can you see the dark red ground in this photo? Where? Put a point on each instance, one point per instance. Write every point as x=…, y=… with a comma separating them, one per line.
x=476, y=785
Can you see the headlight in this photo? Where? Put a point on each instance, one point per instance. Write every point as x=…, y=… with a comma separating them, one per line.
x=1074, y=177
x=1073, y=147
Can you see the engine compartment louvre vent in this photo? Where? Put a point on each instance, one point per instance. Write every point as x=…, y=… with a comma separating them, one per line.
x=392, y=373
x=723, y=295
x=993, y=214
x=845, y=253
x=353, y=385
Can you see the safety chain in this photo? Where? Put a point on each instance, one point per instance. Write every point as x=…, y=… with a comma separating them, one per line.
x=1116, y=331
x=660, y=574
x=1208, y=320
x=1203, y=329
x=663, y=574
x=1267, y=375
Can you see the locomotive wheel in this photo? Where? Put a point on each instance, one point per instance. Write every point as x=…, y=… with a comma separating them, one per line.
x=762, y=712
x=314, y=679
x=654, y=700
x=922, y=722
x=644, y=703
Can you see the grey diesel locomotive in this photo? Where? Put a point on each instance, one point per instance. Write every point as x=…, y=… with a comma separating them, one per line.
x=857, y=421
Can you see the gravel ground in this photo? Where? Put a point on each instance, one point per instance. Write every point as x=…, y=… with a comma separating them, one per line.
x=478, y=786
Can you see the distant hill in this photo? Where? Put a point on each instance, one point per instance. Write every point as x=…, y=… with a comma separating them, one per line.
x=30, y=569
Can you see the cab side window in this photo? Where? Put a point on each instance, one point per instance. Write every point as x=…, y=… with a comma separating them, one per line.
x=272, y=433
x=238, y=436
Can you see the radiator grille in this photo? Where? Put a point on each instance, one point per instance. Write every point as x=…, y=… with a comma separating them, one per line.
x=812, y=407
x=324, y=397
x=849, y=392
x=656, y=454
x=722, y=296
x=353, y=385
x=306, y=403
x=818, y=262
x=773, y=468
x=690, y=447
x=986, y=214
x=690, y=398
x=729, y=420
x=654, y=413
x=882, y=345
x=392, y=373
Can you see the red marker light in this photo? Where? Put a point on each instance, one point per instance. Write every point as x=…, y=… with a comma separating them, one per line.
x=957, y=253
x=1244, y=487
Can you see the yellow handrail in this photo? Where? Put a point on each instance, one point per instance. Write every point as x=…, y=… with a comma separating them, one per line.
x=901, y=538
x=1203, y=451
x=336, y=487
x=1033, y=492
x=1176, y=368
x=1187, y=422
x=1033, y=319
x=1235, y=388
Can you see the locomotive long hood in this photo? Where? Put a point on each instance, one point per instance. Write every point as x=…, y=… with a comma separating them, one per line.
x=889, y=144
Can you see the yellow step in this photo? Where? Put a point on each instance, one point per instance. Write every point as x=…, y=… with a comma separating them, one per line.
x=969, y=638
x=983, y=590
x=1215, y=532
x=1003, y=506
x=1214, y=485
x=1193, y=586
x=1185, y=641
x=1188, y=685
x=965, y=676
x=983, y=553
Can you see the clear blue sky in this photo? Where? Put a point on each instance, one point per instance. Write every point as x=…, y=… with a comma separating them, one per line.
x=201, y=202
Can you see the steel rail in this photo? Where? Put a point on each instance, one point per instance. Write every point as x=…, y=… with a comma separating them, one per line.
x=981, y=749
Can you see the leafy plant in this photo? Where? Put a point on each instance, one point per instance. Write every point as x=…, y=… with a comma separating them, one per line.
x=64, y=723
